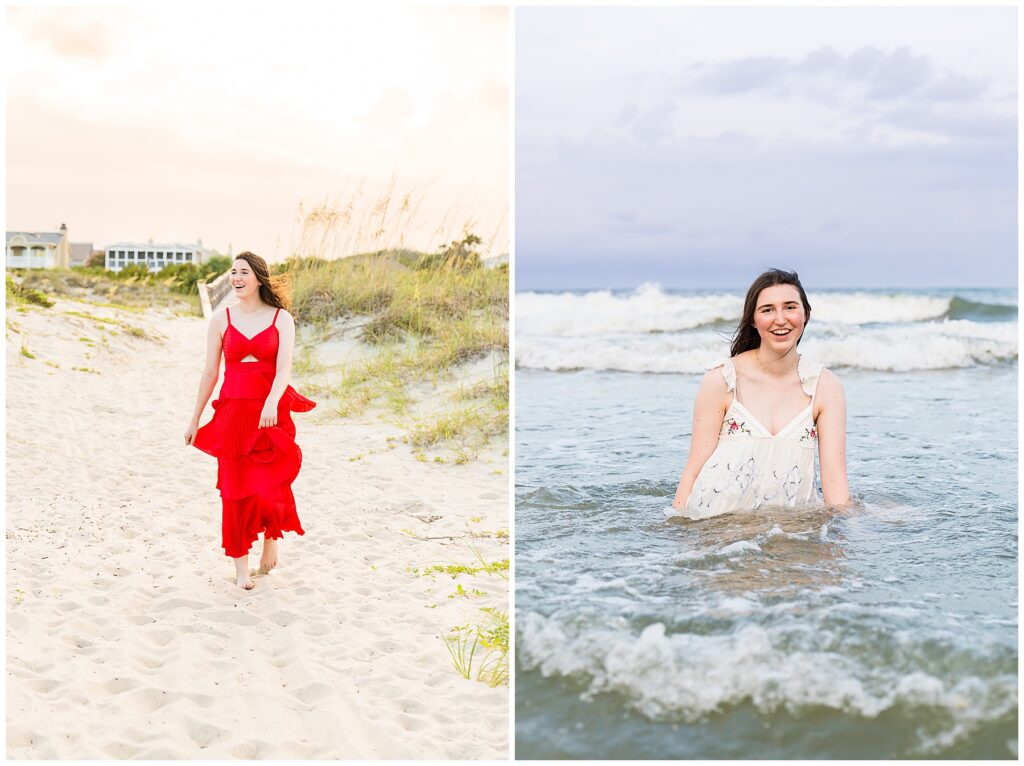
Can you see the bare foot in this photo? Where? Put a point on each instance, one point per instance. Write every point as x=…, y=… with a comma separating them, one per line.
x=269, y=558
x=242, y=573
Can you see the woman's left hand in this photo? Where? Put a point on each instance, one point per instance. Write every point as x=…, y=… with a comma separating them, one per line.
x=268, y=417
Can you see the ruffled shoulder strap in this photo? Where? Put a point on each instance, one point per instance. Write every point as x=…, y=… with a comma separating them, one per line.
x=809, y=373
x=728, y=372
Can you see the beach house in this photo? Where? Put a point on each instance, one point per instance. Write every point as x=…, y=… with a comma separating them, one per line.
x=153, y=257
x=80, y=253
x=38, y=250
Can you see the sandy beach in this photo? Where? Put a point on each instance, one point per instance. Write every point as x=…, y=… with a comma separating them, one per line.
x=126, y=635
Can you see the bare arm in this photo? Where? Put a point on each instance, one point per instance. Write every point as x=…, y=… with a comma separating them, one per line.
x=831, y=425
x=211, y=368
x=708, y=414
x=283, y=374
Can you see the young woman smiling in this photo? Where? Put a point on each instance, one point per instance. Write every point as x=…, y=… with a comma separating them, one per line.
x=760, y=414
x=252, y=434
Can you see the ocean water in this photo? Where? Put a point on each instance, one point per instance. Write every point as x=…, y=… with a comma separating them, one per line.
x=886, y=632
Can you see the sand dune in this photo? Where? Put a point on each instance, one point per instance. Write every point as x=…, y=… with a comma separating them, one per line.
x=126, y=635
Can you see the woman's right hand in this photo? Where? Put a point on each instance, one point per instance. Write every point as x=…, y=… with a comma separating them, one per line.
x=190, y=434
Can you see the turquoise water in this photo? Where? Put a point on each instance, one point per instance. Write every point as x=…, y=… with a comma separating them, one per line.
x=887, y=632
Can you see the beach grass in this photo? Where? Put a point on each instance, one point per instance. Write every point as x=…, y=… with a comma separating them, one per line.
x=125, y=290
x=20, y=294
x=423, y=317
x=106, y=324
x=486, y=639
x=489, y=637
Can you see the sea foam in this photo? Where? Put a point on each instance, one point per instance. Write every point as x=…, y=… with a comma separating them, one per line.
x=691, y=676
x=901, y=348
x=649, y=309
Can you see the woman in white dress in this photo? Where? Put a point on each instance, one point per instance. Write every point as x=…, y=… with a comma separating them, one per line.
x=760, y=414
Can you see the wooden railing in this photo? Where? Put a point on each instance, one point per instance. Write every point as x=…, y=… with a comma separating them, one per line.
x=212, y=293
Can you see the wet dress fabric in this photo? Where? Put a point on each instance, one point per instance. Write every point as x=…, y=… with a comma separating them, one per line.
x=751, y=468
x=255, y=466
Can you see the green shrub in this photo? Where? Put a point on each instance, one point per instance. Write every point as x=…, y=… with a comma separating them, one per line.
x=22, y=294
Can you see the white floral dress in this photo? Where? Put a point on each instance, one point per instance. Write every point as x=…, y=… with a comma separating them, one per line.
x=751, y=468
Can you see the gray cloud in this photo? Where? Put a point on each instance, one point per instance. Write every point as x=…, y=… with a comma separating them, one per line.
x=954, y=87
x=627, y=115
x=879, y=75
x=971, y=125
x=899, y=73
x=655, y=125
x=612, y=211
x=743, y=75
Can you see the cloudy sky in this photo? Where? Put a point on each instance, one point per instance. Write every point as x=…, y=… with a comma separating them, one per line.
x=694, y=147
x=236, y=127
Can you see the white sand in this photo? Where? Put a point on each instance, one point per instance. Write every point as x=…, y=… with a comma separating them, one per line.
x=126, y=635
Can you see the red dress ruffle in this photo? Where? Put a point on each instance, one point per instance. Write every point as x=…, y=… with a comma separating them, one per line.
x=255, y=466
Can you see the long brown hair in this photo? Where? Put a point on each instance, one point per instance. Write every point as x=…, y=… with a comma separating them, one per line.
x=274, y=290
x=746, y=336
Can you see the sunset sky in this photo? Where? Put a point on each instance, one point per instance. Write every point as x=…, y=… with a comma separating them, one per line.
x=218, y=123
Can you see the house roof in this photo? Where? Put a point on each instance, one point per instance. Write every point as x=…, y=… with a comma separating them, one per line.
x=36, y=237
x=153, y=246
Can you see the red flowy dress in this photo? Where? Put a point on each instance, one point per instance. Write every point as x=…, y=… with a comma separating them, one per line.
x=255, y=466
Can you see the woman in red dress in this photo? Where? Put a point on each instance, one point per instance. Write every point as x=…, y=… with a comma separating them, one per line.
x=251, y=433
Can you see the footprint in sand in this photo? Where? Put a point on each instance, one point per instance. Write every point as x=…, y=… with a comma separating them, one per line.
x=79, y=642
x=120, y=685
x=317, y=629
x=235, y=618
x=43, y=685
x=248, y=751
x=204, y=734
x=122, y=751
x=314, y=693
x=159, y=636
x=179, y=603
x=283, y=618
x=412, y=723
x=152, y=663
x=150, y=699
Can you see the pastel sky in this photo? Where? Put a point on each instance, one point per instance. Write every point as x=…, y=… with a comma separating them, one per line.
x=242, y=127
x=695, y=147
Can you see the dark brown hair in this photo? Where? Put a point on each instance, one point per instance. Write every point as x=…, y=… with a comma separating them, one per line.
x=746, y=336
x=274, y=290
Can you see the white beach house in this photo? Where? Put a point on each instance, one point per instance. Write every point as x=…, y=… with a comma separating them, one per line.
x=38, y=250
x=154, y=257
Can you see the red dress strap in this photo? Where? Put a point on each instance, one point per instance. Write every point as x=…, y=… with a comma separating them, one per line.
x=228, y=312
x=275, y=317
